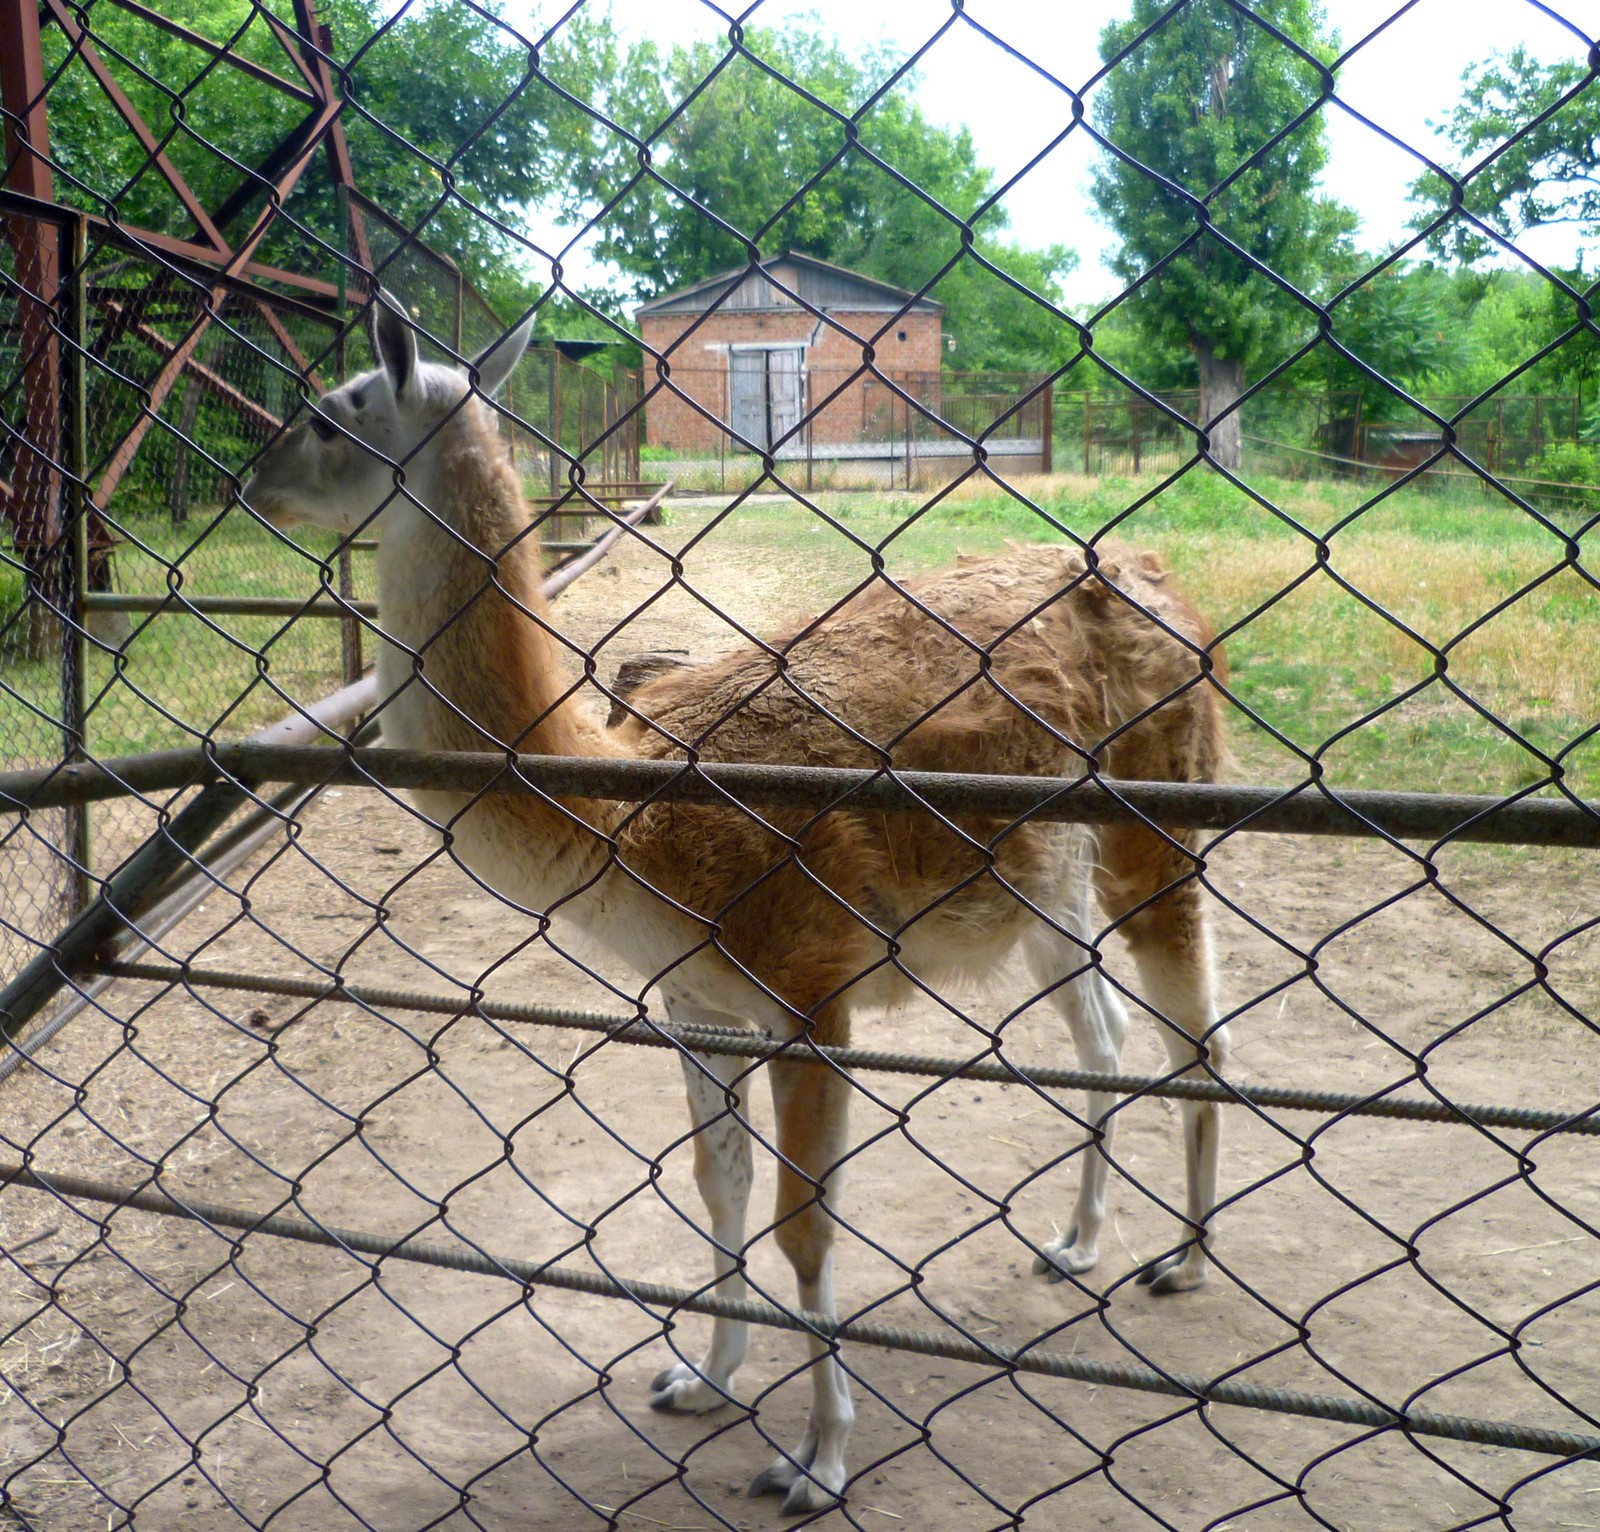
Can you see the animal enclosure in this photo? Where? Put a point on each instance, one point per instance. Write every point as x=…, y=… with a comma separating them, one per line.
x=382, y=872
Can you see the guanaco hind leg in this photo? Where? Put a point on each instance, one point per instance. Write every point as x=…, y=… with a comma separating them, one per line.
x=812, y=1108
x=1147, y=885
x=1098, y=1021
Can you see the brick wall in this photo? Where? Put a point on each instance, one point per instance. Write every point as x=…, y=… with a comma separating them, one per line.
x=910, y=348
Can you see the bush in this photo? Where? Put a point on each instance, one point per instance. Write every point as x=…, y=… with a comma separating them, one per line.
x=1567, y=463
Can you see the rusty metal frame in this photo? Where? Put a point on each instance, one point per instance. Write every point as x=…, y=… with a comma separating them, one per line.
x=226, y=267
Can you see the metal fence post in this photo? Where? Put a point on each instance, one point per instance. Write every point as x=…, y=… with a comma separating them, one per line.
x=350, y=660
x=75, y=636
x=555, y=416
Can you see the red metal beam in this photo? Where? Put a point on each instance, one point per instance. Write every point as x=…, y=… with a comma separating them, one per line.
x=136, y=124
x=34, y=506
x=215, y=385
x=286, y=184
x=217, y=51
x=289, y=41
x=291, y=347
x=210, y=260
x=316, y=43
x=317, y=48
x=271, y=166
x=122, y=455
x=225, y=270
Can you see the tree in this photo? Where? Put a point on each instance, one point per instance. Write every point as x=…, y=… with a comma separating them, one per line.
x=502, y=136
x=733, y=168
x=486, y=136
x=1198, y=98
x=1548, y=174
x=1401, y=324
x=1541, y=124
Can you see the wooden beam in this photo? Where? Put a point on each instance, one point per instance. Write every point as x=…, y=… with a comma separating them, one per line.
x=315, y=44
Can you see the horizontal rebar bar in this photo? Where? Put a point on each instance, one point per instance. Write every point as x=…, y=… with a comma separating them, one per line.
x=1027, y=1358
x=174, y=852
x=129, y=893
x=759, y=1048
x=1307, y=809
x=228, y=606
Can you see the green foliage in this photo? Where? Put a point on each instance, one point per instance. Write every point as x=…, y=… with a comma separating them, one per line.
x=1546, y=175
x=1503, y=318
x=1153, y=359
x=204, y=111
x=1568, y=463
x=1402, y=325
x=410, y=145
x=1535, y=128
x=731, y=174
x=483, y=127
x=1193, y=102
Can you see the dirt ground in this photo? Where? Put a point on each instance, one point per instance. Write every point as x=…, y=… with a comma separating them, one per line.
x=163, y=1376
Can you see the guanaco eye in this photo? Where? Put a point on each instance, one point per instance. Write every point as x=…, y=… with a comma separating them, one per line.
x=326, y=430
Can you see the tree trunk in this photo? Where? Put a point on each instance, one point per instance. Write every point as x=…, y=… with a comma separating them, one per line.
x=1221, y=383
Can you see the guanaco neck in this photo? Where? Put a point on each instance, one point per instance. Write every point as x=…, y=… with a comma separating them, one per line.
x=461, y=589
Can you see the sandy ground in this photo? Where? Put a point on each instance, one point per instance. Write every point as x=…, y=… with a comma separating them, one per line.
x=163, y=1376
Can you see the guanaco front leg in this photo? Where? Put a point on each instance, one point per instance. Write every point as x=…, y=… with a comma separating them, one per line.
x=722, y=1168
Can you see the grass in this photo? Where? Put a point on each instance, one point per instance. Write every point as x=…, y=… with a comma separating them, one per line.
x=1344, y=658
x=179, y=678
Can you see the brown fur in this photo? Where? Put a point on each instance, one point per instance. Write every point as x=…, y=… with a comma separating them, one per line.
x=1023, y=664
x=1028, y=664
x=1071, y=657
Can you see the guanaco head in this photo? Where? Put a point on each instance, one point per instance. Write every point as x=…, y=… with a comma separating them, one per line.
x=336, y=467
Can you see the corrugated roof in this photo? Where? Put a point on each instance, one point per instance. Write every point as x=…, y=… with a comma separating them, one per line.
x=819, y=285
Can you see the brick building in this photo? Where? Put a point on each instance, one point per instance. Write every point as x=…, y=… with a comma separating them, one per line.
x=761, y=361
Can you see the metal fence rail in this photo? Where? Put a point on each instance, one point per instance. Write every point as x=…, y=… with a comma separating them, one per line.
x=337, y=1183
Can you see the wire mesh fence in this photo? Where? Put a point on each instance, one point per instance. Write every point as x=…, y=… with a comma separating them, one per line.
x=835, y=429
x=340, y=1188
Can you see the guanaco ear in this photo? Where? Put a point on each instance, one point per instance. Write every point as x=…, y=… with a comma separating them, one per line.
x=494, y=363
x=394, y=342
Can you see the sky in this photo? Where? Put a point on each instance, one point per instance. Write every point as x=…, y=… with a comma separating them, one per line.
x=1404, y=77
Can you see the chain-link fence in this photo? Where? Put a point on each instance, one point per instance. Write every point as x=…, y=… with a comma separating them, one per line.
x=340, y=1188
x=835, y=429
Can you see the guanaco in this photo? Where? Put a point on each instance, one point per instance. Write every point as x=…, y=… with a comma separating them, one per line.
x=1041, y=661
